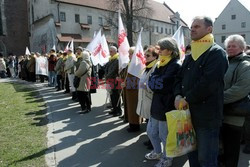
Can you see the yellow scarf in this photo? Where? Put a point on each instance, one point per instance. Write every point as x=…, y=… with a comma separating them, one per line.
x=150, y=65
x=65, y=58
x=79, y=55
x=163, y=60
x=116, y=56
x=200, y=46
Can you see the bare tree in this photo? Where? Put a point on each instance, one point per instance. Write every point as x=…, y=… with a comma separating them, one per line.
x=132, y=12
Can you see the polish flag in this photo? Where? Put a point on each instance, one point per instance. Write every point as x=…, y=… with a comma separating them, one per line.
x=104, y=52
x=138, y=60
x=123, y=45
x=95, y=46
x=179, y=37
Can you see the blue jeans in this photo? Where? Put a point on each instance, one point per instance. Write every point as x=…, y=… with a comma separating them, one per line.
x=52, y=79
x=157, y=132
x=207, y=148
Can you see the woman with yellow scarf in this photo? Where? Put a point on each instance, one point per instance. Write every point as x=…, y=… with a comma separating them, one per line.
x=161, y=82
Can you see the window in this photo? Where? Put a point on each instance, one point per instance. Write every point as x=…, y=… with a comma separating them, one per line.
x=243, y=24
x=162, y=30
x=223, y=39
x=100, y=21
x=77, y=18
x=157, y=29
x=233, y=17
x=62, y=16
x=89, y=18
x=152, y=29
x=169, y=31
x=223, y=27
x=166, y=31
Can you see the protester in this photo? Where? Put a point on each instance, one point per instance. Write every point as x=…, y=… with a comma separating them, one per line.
x=2, y=66
x=111, y=73
x=131, y=98
x=11, y=65
x=84, y=72
x=59, y=71
x=31, y=66
x=145, y=95
x=237, y=88
x=52, y=74
x=199, y=86
x=161, y=82
x=70, y=69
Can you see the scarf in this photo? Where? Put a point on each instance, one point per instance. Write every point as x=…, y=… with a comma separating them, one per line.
x=79, y=55
x=151, y=64
x=163, y=60
x=65, y=58
x=116, y=56
x=200, y=46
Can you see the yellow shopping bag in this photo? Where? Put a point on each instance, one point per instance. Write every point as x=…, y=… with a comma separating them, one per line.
x=181, y=135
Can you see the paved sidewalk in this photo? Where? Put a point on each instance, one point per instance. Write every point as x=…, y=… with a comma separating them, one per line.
x=96, y=138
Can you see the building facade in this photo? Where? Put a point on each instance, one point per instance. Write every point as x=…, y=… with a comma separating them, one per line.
x=234, y=19
x=56, y=22
x=14, y=29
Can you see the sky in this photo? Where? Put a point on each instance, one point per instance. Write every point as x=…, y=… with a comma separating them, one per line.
x=188, y=9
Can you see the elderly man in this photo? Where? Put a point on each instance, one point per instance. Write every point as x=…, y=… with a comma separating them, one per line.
x=111, y=73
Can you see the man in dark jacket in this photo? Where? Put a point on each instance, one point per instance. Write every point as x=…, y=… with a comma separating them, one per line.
x=199, y=86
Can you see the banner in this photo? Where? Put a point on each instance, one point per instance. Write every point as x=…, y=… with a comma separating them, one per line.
x=41, y=66
x=179, y=37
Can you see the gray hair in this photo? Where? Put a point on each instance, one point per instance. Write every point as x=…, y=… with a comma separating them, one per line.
x=113, y=48
x=170, y=44
x=207, y=20
x=236, y=38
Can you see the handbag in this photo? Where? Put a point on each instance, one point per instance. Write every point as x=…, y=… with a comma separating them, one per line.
x=181, y=138
x=76, y=81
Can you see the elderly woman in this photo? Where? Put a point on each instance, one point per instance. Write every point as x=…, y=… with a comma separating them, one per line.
x=237, y=87
x=161, y=82
x=84, y=72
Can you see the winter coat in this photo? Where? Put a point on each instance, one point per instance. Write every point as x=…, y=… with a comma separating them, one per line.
x=111, y=72
x=201, y=82
x=31, y=64
x=145, y=95
x=69, y=64
x=161, y=82
x=52, y=62
x=2, y=65
x=59, y=66
x=84, y=68
x=237, y=84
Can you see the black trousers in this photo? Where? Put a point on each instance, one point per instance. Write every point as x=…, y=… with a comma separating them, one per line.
x=60, y=82
x=231, y=137
x=84, y=100
x=67, y=83
x=114, y=100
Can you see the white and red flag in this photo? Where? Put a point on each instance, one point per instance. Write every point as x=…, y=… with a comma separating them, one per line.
x=104, y=52
x=95, y=46
x=123, y=45
x=70, y=46
x=138, y=60
x=179, y=37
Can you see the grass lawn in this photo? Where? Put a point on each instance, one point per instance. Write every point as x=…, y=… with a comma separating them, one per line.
x=23, y=127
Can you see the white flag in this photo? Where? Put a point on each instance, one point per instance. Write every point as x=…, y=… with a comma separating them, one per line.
x=138, y=60
x=95, y=47
x=54, y=47
x=104, y=53
x=179, y=37
x=123, y=45
x=27, y=52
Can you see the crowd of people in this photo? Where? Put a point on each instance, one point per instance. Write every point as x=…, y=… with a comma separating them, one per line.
x=208, y=82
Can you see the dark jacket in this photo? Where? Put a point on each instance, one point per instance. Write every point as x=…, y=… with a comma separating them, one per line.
x=161, y=82
x=201, y=83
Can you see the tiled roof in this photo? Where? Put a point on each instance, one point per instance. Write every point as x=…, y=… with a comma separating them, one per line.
x=160, y=11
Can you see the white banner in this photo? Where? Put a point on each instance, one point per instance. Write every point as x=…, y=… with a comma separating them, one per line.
x=41, y=66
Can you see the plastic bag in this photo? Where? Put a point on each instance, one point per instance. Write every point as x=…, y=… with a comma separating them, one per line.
x=181, y=137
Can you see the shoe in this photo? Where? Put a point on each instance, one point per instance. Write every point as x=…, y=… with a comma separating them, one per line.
x=153, y=156
x=164, y=162
x=246, y=149
x=112, y=112
x=117, y=114
x=66, y=92
x=58, y=89
x=84, y=112
x=109, y=107
x=121, y=117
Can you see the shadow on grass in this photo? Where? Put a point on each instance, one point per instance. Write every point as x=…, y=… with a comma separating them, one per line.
x=33, y=156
